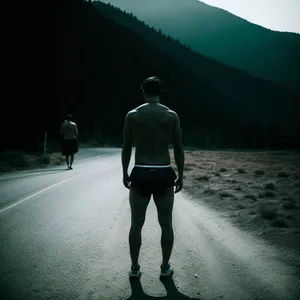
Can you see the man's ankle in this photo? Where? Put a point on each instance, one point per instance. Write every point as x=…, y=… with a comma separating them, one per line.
x=165, y=266
x=135, y=266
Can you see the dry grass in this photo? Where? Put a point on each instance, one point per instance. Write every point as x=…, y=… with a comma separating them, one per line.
x=241, y=171
x=56, y=159
x=283, y=174
x=250, y=196
x=14, y=160
x=202, y=177
x=270, y=185
x=268, y=194
x=260, y=191
x=224, y=194
x=267, y=211
x=259, y=172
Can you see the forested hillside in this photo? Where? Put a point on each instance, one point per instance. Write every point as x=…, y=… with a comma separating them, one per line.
x=67, y=56
x=218, y=34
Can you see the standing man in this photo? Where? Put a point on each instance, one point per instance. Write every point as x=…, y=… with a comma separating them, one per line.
x=69, y=144
x=152, y=126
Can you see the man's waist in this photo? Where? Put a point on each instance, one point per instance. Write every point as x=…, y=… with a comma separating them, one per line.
x=152, y=165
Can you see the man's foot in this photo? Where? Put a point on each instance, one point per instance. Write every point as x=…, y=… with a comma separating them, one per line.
x=135, y=272
x=70, y=168
x=166, y=271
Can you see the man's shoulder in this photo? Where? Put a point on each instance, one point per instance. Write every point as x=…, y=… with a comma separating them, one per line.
x=130, y=116
x=131, y=113
x=135, y=111
x=170, y=112
x=144, y=106
x=167, y=109
x=67, y=123
x=140, y=109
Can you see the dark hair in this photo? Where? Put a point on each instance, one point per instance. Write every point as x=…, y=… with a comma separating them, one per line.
x=69, y=117
x=152, y=86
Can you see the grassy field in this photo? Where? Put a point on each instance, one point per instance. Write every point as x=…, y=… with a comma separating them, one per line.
x=258, y=191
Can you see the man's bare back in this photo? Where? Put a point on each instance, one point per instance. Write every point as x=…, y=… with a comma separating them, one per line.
x=69, y=130
x=152, y=127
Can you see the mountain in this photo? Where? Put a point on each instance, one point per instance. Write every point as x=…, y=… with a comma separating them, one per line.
x=68, y=57
x=223, y=36
x=264, y=103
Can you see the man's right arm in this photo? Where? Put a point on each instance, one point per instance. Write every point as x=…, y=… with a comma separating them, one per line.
x=178, y=147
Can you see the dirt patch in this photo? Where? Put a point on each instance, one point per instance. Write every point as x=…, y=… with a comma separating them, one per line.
x=14, y=160
x=258, y=191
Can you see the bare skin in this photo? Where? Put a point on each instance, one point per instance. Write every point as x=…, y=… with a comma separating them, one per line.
x=152, y=127
x=69, y=131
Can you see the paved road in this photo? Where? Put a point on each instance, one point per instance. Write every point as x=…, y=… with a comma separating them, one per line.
x=63, y=235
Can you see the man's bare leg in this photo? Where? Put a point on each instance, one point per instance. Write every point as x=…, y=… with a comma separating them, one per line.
x=164, y=204
x=68, y=160
x=138, y=205
x=72, y=160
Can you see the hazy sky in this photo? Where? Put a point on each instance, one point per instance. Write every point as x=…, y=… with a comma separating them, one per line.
x=281, y=15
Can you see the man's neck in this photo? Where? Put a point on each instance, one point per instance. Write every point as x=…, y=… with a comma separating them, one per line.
x=154, y=99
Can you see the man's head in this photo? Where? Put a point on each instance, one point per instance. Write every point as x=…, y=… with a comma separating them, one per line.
x=69, y=117
x=152, y=87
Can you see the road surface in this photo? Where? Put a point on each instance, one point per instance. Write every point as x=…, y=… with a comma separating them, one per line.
x=64, y=235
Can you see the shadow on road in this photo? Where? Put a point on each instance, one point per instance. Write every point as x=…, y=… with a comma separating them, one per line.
x=47, y=170
x=172, y=292
x=29, y=173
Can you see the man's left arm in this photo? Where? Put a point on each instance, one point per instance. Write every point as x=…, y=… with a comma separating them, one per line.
x=76, y=131
x=127, y=144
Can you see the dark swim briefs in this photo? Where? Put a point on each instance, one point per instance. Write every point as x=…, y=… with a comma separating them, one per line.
x=148, y=179
x=69, y=147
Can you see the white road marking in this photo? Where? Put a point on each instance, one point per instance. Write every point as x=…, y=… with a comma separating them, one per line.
x=46, y=189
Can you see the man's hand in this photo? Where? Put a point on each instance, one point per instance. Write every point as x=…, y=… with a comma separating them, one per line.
x=126, y=181
x=178, y=184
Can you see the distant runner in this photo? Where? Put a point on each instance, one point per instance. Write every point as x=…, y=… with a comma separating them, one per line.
x=151, y=127
x=69, y=144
